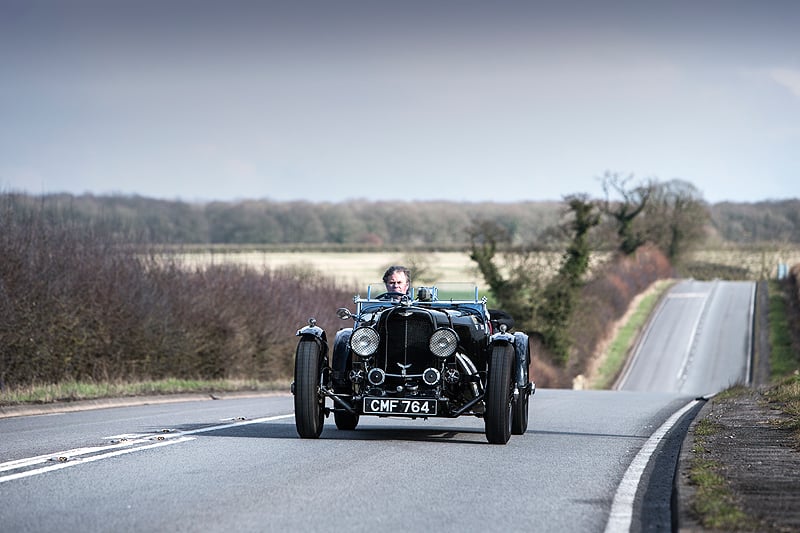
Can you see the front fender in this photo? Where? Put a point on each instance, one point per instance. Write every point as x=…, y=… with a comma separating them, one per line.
x=312, y=329
x=317, y=334
x=341, y=351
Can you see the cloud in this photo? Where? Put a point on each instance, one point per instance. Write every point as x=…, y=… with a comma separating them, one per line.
x=788, y=78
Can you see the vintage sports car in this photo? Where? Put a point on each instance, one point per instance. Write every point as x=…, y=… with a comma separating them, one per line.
x=435, y=352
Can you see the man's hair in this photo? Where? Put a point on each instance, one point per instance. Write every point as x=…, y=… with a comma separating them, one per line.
x=396, y=268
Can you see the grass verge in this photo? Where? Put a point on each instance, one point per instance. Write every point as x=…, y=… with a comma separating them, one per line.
x=74, y=390
x=782, y=359
x=785, y=396
x=715, y=503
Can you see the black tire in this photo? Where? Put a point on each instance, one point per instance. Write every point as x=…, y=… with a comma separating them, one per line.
x=519, y=408
x=345, y=420
x=498, y=395
x=309, y=412
x=519, y=414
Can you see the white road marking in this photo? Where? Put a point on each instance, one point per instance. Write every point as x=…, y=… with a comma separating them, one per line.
x=621, y=515
x=77, y=452
x=131, y=442
x=83, y=460
x=681, y=376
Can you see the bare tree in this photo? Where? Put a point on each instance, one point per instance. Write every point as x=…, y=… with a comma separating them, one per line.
x=676, y=217
x=624, y=203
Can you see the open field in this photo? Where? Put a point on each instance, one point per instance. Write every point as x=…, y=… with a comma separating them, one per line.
x=362, y=268
x=348, y=268
x=761, y=262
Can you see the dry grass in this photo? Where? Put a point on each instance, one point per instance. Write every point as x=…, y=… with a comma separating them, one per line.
x=70, y=391
x=759, y=262
x=361, y=268
x=349, y=268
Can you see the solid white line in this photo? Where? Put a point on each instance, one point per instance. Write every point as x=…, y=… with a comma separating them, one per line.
x=74, y=457
x=30, y=461
x=621, y=514
x=90, y=459
x=750, y=319
x=235, y=424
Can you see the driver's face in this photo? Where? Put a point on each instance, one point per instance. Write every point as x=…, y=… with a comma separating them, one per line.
x=397, y=282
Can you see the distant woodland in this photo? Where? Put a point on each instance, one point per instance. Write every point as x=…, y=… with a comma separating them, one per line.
x=363, y=224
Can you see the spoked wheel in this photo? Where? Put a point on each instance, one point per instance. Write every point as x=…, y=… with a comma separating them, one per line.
x=309, y=404
x=498, y=395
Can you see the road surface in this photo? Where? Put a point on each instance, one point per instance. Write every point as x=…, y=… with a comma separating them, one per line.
x=590, y=461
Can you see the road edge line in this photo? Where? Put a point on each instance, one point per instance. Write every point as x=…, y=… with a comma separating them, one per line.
x=621, y=514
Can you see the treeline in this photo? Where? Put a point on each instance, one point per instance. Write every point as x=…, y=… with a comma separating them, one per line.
x=772, y=221
x=357, y=223
x=361, y=223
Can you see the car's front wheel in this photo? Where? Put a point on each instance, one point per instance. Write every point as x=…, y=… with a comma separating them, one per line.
x=309, y=412
x=498, y=395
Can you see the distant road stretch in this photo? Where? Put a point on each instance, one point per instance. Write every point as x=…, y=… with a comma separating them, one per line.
x=698, y=341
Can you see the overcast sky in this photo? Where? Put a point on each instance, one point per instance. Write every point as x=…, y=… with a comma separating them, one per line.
x=458, y=100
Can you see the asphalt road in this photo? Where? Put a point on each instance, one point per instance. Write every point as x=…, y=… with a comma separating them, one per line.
x=698, y=342
x=590, y=461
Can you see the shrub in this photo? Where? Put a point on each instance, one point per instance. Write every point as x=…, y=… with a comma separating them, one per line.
x=79, y=306
x=606, y=297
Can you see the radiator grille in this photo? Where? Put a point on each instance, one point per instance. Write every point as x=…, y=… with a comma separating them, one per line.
x=405, y=341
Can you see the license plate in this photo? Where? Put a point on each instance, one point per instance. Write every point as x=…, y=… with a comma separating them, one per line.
x=399, y=406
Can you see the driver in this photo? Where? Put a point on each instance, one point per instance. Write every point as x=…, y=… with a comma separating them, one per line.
x=397, y=280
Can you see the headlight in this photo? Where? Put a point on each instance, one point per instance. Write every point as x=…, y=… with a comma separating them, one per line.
x=364, y=341
x=444, y=342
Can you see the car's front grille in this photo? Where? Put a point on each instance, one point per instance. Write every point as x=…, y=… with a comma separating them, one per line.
x=404, y=341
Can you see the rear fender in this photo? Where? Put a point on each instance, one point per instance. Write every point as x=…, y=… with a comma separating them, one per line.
x=522, y=353
x=522, y=358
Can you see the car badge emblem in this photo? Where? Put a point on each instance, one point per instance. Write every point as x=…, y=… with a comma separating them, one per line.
x=403, y=368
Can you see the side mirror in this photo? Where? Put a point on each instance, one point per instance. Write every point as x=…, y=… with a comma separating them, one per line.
x=344, y=313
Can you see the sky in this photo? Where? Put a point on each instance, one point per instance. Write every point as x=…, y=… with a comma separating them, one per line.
x=459, y=100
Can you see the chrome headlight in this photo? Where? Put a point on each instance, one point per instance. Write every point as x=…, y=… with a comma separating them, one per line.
x=443, y=343
x=364, y=341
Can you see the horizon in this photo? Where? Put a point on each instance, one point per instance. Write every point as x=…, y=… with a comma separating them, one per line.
x=234, y=201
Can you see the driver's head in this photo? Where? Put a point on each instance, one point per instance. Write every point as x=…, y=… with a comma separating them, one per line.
x=397, y=279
